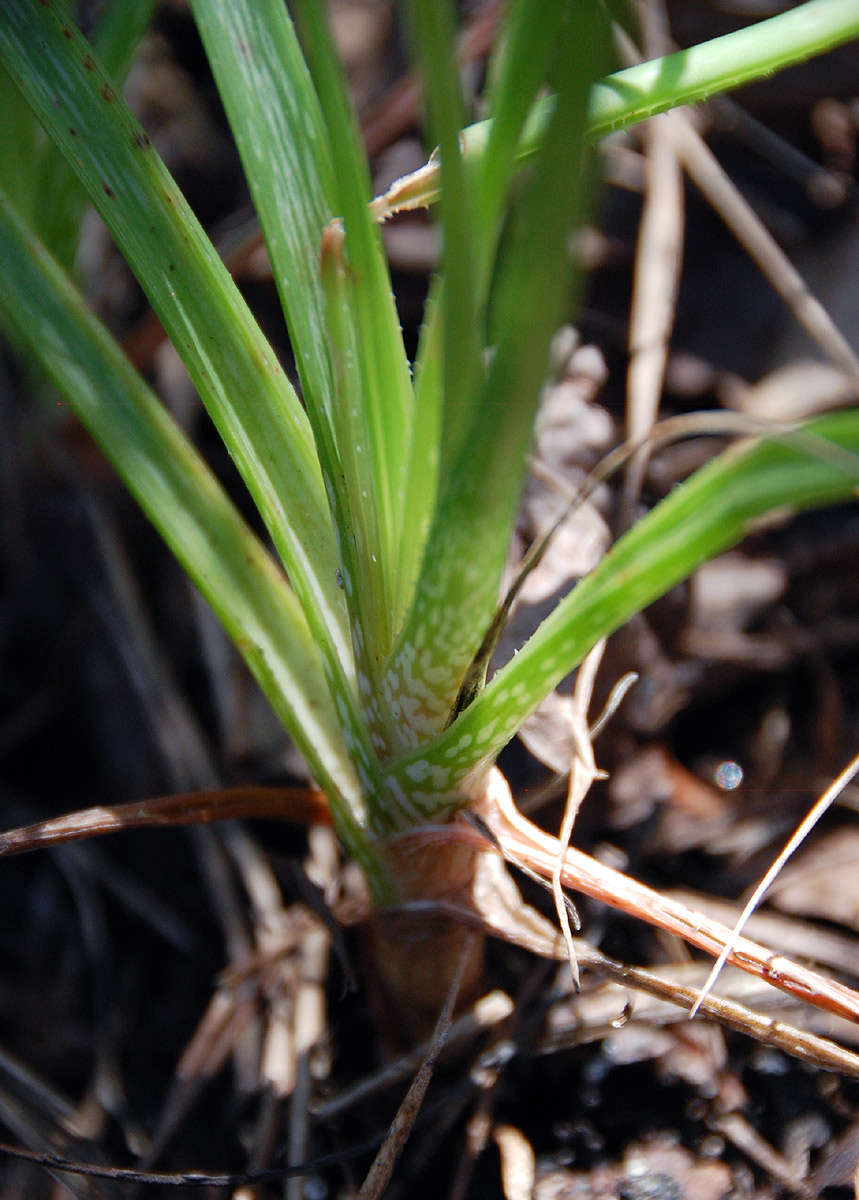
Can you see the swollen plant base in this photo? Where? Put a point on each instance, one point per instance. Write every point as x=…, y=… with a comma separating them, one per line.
x=412, y=953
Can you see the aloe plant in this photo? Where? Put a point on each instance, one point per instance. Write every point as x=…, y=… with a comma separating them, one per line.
x=388, y=490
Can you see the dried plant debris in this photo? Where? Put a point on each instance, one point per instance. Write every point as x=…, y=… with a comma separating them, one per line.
x=657, y=1168
x=822, y=880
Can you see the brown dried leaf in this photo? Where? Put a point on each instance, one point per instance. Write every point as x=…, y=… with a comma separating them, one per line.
x=571, y=430
x=796, y=392
x=703, y=1179
x=693, y=812
x=657, y=1168
x=823, y=880
x=362, y=30
x=576, y=547
x=730, y=591
x=547, y=733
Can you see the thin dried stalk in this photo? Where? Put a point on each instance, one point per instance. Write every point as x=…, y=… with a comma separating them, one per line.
x=705, y=171
x=583, y=771
x=658, y=262
x=797, y=838
x=305, y=806
x=709, y=177
x=523, y=841
x=809, y=1047
x=380, y=1172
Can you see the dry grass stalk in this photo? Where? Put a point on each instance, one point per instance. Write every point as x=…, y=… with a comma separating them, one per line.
x=583, y=771
x=823, y=804
x=524, y=841
x=380, y=1172
x=658, y=262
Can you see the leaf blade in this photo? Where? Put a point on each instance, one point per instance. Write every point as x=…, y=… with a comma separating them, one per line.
x=468, y=541
x=461, y=321
x=187, y=505
x=228, y=358
x=385, y=416
x=701, y=518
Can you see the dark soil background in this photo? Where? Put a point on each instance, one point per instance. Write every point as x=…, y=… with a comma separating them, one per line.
x=116, y=685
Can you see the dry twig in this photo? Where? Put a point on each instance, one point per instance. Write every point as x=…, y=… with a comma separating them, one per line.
x=583, y=771
x=658, y=261
x=380, y=1172
x=800, y=834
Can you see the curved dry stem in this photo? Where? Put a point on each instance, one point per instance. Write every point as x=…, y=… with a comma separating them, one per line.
x=822, y=805
x=523, y=841
x=304, y=805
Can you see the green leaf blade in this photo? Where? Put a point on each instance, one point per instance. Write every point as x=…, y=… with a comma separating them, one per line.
x=424, y=453
x=527, y=46
x=637, y=93
x=461, y=320
x=184, y=501
x=229, y=360
x=274, y=115
x=468, y=541
x=386, y=400
x=721, y=64
x=712, y=511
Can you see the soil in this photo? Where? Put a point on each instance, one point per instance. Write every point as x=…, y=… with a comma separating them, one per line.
x=116, y=685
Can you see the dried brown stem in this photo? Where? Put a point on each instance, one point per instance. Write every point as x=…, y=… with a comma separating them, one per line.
x=658, y=263
x=305, y=806
x=821, y=1052
x=383, y=1165
x=522, y=840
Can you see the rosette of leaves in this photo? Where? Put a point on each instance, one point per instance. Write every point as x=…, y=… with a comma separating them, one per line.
x=388, y=489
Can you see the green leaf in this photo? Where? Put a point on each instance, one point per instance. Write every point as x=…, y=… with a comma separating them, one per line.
x=117, y=35
x=686, y=77
x=184, y=501
x=721, y=64
x=284, y=147
x=462, y=340
x=468, y=542
x=377, y=459
x=425, y=451
x=527, y=46
x=516, y=73
x=711, y=512
x=356, y=512
x=233, y=367
x=274, y=115
x=19, y=148
x=61, y=199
